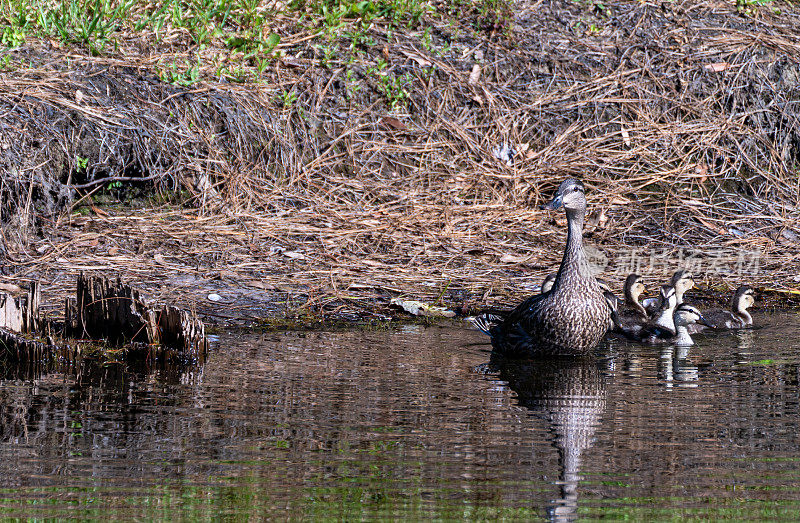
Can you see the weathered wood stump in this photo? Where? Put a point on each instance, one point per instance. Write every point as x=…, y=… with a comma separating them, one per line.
x=20, y=313
x=114, y=311
x=102, y=309
x=181, y=329
x=21, y=349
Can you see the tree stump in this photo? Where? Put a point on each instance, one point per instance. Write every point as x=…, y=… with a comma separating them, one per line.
x=114, y=311
x=21, y=349
x=102, y=309
x=20, y=313
x=182, y=329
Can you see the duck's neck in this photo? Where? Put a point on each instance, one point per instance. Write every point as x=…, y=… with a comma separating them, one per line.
x=574, y=263
x=742, y=314
x=665, y=320
x=682, y=336
x=633, y=301
x=679, y=294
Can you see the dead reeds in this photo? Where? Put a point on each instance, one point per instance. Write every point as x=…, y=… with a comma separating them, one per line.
x=681, y=117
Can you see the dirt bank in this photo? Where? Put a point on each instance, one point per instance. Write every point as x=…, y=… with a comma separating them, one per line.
x=351, y=159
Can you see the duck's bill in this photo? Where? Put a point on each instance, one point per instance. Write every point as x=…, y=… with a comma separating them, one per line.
x=553, y=204
x=702, y=321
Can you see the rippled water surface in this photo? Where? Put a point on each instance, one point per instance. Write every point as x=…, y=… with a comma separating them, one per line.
x=413, y=423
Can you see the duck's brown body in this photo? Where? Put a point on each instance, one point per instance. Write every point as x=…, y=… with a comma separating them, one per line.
x=573, y=317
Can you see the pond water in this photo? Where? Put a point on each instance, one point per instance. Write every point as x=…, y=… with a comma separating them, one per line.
x=412, y=423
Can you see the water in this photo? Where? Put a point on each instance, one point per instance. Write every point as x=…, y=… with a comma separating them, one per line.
x=412, y=424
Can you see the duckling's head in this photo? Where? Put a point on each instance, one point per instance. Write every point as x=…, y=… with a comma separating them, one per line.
x=570, y=194
x=634, y=286
x=548, y=282
x=668, y=298
x=682, y=280
x=743, y=298
x=686, y=314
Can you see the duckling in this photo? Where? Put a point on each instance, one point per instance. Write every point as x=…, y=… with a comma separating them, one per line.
x=662, y=327
x=663, y=317
x=634, y=311
x=572, y=318
x=682, y=280
x=736, y=317
x=684, y=316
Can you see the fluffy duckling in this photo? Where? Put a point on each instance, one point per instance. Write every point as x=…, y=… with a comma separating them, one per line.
x=684, y=316
x=662, y=327
x=737, y=317
x=633, y=311
x=663, y=317
x=682, y=280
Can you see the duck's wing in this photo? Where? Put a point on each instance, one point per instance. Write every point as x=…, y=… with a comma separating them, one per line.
x=723, y=319
x=629, y=317
x=645, y=332
x=487, y=321
x=525, y=310
x=652, y=333
x=510, y=337
x=694, y=328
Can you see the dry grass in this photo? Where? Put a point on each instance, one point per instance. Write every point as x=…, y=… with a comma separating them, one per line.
x=680, y=117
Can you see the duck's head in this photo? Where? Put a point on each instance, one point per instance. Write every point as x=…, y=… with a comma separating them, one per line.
x=548, y=282
x=682, y=280
x=686, y=314
x=570, y=194
x=634, y=286
x=743, y=298
x=668, y=297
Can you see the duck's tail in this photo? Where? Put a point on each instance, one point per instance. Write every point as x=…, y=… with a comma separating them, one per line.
x=485, y=322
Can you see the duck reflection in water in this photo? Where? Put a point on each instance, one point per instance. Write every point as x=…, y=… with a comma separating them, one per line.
x=570, y=394
x=675, y=367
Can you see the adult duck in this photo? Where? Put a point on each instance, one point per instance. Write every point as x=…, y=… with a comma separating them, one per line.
x=570, y=319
